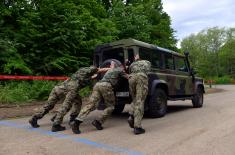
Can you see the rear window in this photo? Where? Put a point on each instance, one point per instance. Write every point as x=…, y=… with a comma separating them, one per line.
x=116, y=53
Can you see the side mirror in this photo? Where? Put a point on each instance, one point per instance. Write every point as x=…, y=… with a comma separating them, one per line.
x=186, y=54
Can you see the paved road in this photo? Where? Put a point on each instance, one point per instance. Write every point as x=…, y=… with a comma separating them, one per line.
x=183, y=131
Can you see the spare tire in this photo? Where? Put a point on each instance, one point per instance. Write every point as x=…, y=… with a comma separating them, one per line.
x=107, y=63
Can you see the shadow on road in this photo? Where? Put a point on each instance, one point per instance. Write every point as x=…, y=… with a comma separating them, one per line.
x=170, y=110
x=178, y=108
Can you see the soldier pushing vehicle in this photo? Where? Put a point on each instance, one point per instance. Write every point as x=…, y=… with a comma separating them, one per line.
x=68, y=89
x=138, y=87
x=102, y=89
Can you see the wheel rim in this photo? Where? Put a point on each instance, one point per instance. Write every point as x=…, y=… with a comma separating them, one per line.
x=161, y=102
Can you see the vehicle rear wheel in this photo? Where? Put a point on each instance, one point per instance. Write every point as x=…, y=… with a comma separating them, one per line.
x=157, y=106
x=198, y=98
x=118, y=108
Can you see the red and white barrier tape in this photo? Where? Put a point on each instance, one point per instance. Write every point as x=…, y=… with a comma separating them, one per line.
x=12, y=77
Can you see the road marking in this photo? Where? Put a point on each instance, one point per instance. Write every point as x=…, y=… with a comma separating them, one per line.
x=106, y=147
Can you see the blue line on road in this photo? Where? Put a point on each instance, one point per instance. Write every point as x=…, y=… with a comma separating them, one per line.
x=79, y=140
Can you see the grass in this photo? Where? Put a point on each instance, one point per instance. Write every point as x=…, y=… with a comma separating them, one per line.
x=23, y=92
x=18, y=92
x=221, y=80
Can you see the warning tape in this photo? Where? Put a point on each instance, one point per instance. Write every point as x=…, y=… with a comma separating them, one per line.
x=13, y=77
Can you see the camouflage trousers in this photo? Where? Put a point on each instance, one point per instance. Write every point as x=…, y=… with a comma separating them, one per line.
x=138, y=86
x=102, y=90
x=71, y=99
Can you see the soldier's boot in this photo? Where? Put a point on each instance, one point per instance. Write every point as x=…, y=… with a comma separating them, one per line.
x=131, y=121
x=53, y=118
x=138, y=131
x=75, y=126
x=34, y=122
x=72, y=119
x=97, y=124
x=57, y=127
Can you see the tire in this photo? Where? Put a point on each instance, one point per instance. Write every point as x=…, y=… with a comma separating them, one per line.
x=118, y=108
x=198, y=98
x=157, y=106
x=107, y=63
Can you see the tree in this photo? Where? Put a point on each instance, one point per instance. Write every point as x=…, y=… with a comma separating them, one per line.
x=205, y=50
x=227, y=56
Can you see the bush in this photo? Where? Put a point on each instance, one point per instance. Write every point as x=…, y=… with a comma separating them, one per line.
x=221, y=80
x=25, y=91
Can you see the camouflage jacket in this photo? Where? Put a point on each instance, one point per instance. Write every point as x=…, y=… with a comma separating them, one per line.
x=80, y=79
x=113, y=76
x=140, y=66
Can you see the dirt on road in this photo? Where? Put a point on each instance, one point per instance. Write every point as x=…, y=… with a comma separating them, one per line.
x=185, y=130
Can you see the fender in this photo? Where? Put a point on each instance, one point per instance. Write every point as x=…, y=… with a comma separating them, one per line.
x=199, y=83
x=154, y=84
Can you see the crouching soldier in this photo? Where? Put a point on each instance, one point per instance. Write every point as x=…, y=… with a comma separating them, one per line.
x=69, y=90
x=138, y=87
x=102, y=89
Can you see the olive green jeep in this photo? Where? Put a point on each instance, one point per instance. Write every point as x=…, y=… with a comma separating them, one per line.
x=171, y=77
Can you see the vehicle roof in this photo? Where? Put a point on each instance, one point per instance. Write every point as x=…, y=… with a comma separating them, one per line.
x=134, y=42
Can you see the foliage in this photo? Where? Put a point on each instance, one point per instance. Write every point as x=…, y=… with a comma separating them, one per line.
x=221, y=80
x=25, y=91
x=211, y=51
x=56, y=37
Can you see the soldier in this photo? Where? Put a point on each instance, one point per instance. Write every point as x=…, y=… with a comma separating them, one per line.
x=138, y=87
x=68, y=89
x=102, y=89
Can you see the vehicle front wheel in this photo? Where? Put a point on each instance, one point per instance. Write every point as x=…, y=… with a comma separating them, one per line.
x=198, y=98
x=157, y=106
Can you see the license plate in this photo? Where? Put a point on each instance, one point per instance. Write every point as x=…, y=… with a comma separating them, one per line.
x=122, y=94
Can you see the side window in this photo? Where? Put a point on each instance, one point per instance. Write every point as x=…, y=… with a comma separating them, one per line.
x=169, y=61
x=145, y=54
x=131, y=56
x=156, y=59
x=180, y=64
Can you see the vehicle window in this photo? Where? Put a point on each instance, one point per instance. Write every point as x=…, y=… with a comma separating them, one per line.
x=97, y=60
x=169, y=62
x=156, y=59
x=130, y=55
x=116, y=53
x=145, y=54
x=180, y=64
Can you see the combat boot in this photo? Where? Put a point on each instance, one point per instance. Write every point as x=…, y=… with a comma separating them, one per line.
x=72, y=119
x=75, y=126
x=138, y=131
x=97, y=124
x=34, y=122
x=131, y=121
x=53, y=118
x=57, y=127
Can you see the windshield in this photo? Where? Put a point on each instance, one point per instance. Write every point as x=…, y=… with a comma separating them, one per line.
x=116, y=53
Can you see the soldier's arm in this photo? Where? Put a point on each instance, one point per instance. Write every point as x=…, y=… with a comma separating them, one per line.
x=94, y=76
x=102, y=70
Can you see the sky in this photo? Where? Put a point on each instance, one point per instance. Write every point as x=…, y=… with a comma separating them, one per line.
x=193, y=16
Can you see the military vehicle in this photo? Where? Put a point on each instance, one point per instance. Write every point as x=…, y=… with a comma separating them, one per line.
x=171, y=77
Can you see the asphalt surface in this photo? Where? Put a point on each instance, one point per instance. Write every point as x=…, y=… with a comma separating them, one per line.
x=183, y=131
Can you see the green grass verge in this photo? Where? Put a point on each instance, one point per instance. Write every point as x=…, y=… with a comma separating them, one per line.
x=18, y=92
x=23, y=92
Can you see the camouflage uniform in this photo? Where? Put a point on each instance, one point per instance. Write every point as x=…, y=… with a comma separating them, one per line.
x=138, y=87
x=69, y=90
x=103, y=89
